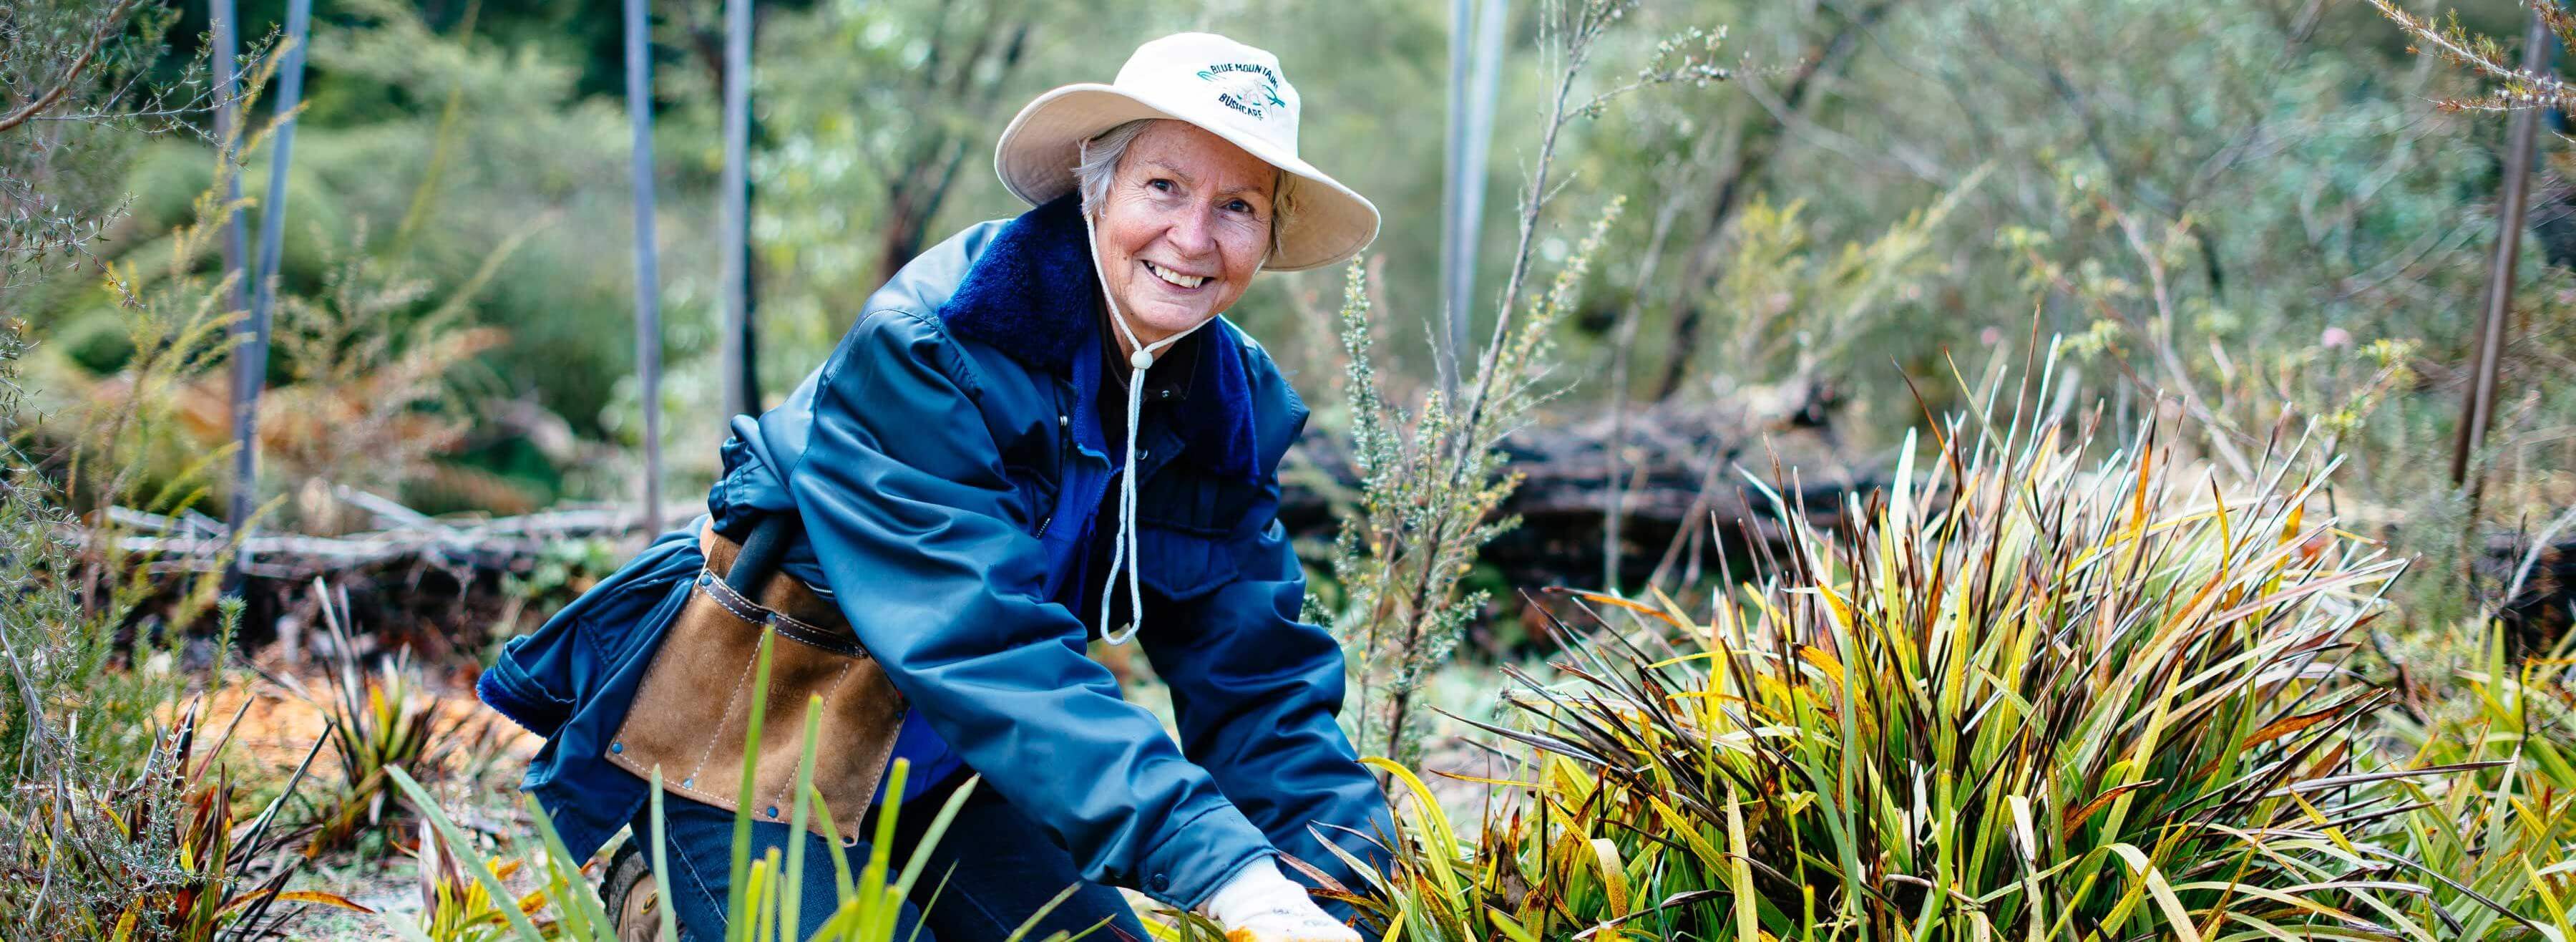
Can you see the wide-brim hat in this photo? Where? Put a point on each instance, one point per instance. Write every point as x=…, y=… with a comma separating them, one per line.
x=1231, y=90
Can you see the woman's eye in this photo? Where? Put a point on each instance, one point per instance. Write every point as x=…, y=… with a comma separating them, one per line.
x=1160, y=184
x=1239, y=206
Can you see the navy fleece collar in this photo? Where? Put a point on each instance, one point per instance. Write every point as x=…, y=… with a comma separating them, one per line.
x=1031, y=295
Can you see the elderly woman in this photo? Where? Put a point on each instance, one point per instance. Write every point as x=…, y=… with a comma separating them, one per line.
x=1038, y=433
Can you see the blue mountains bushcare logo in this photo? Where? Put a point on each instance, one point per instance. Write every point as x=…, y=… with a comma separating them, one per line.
x=1247, y=87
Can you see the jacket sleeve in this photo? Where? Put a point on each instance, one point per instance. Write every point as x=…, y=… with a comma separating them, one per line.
x=903, y=496
x=1257, y=692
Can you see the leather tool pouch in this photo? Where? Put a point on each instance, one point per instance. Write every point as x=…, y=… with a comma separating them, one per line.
x=693, y=711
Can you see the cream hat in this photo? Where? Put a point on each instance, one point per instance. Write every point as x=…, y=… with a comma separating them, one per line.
x=1233, y=91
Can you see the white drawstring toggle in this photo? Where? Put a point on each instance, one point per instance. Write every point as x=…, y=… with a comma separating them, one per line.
x=1127, y=552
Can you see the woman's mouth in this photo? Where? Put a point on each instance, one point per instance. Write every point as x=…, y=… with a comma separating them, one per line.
x=1175, y=279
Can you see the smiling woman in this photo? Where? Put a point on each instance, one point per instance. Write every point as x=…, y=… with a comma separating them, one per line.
x=1039, y=432
x=1183, y=220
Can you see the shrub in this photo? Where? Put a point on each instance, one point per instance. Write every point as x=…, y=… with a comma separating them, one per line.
x=1433, y=477
x=2018, y=696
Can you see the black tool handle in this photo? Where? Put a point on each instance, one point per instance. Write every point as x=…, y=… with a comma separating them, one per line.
x=761, y=551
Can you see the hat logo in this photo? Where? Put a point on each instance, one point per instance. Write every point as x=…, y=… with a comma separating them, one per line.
x=1247, y=87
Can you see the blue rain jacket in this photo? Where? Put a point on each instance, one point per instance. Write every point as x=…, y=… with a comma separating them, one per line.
x=948, y=466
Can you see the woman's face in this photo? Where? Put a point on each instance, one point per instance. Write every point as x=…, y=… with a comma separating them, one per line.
x=1184, y=226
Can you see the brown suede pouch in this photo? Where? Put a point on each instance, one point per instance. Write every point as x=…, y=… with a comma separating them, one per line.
x=693, y=712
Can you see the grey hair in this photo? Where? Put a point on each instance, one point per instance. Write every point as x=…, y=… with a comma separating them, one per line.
x=1099, y=163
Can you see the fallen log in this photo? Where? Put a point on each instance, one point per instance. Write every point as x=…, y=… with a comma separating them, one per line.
x=1684, y=470
x=448, y=581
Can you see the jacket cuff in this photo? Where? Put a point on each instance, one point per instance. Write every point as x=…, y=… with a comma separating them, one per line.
x=512, y=693
x=1201, y=855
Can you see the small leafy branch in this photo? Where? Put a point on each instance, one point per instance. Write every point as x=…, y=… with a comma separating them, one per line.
x=2515, y=87
x=94, y=64
x=1432, y=479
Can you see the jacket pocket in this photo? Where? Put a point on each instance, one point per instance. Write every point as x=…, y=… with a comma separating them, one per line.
x=1037, y=497
x=1188, y=525
x=691, y=716
x=1182, y=565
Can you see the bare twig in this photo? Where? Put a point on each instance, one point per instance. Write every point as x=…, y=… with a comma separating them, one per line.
x=108, y=24
x=1623, y=346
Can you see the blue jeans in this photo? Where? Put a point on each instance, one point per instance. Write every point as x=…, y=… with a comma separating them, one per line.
x=999, y=867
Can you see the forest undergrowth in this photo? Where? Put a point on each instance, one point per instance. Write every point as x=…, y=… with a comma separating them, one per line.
x=2122, y=644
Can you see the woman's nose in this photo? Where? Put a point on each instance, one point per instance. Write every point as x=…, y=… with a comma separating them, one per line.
x=1193, y=232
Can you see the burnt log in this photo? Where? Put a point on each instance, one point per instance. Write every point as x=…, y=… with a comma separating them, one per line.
x=2537, y=616
x=454, y=583
x=1684, y=470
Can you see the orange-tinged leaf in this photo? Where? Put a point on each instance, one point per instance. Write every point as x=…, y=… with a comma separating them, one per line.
x=1638, y=607
x=2290, y=724
x=2315, y=545
x=2138, y=496
x=296, y=896
x=1823, y=661
x=2077, y=818
x=2277, y=729
x=325, y=899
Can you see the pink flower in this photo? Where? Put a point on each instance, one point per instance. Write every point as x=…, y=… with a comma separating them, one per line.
x=2335, y=338
x=1991, y=336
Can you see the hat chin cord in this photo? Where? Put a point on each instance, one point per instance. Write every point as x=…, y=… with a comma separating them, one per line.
x=1127, y=554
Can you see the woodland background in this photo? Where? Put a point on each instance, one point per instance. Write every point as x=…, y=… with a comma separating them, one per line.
x=2261, y=231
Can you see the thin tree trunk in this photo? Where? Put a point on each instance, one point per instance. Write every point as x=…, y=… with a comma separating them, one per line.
x=648, y=299
x=228, y=111
x=1475, y=74
x=2478, y=411
x=1614, y=507
x=919, y=178
x=250, y=357
x=228, y=130
x=1451, y=336
x=733, y=243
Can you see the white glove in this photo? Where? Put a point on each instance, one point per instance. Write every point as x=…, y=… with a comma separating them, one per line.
x=1260, y=905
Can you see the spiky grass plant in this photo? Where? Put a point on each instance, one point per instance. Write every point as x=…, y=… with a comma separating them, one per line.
x=456, y=908
x=376, y=721
x=2499, y=841
x=2022, y=695
x=162, y=856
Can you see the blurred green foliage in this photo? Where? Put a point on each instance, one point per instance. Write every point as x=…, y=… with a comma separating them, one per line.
x=2250, y=205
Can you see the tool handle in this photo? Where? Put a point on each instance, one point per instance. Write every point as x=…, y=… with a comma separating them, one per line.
x=761, y=552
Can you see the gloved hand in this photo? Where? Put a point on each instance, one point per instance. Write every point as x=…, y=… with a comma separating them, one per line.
x=1260, y=905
